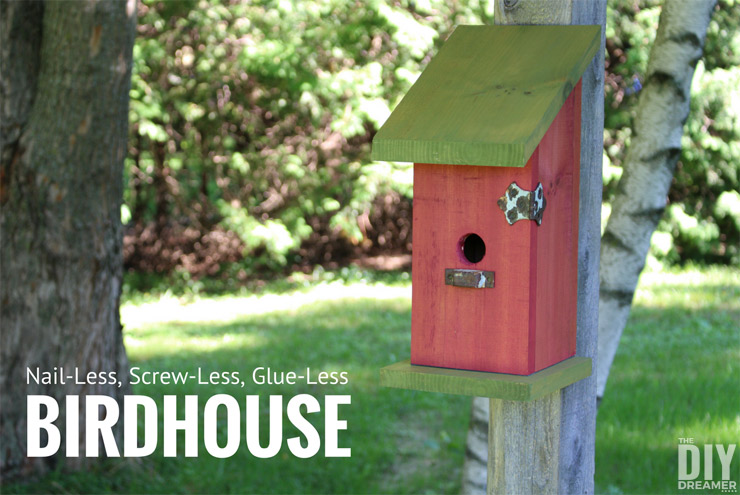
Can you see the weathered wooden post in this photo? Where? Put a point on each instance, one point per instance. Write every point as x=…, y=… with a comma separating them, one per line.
x=577, y=402
x=494, y=128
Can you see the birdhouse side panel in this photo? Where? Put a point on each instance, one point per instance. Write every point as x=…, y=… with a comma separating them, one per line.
x=484, y=329
x=555, y=290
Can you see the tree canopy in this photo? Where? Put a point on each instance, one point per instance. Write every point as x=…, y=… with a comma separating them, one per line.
x=252, y=123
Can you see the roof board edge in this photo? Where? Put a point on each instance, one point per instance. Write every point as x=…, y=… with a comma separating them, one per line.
x=485, y=384
x=451, y=153
x=496, y=154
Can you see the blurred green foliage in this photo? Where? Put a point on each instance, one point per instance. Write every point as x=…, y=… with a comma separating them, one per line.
x=701, y=221
x=256, y=118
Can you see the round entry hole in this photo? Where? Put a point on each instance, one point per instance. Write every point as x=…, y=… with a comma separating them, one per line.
x=473, y=248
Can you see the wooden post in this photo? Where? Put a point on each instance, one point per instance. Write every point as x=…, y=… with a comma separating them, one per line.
x=547, y=445
x=523, y=444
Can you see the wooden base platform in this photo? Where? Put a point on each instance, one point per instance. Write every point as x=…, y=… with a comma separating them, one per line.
x=482, y=384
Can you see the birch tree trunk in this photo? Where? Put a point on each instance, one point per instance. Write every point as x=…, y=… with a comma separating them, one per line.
x=475, y=467
x=648, y=167
x=640, y=200
x=577, y=403
x=66, y=70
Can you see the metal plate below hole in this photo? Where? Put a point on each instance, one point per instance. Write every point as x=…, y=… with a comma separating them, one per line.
x=474, y=279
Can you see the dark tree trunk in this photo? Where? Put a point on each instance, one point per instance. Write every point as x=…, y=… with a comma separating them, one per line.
x=65, y=74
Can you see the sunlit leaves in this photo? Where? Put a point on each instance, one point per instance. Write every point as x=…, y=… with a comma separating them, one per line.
x=710, y=158
x=259, y=114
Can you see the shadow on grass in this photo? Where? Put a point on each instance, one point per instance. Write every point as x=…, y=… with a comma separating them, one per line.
x=401, y=441
x=675, y=375
x=139, y=286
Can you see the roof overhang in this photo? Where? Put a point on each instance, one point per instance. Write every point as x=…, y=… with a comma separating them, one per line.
x=489, y=95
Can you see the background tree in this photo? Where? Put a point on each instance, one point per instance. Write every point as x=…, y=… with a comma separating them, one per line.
x=639, y=200
x=655, y=148
x=702, y=217
x=250, y=138
x=66, y=70
x=249, y=145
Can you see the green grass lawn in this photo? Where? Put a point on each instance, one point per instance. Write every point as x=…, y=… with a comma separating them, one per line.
x=676, y=375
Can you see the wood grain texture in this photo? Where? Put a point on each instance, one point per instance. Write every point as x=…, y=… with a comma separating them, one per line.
x=578, y=409
x=464, y=112
x=555, y=290
x=455, y=327
x=528, y=320
x=514, y=12
x=495, y=385
x=523, y=446
x=575, y=436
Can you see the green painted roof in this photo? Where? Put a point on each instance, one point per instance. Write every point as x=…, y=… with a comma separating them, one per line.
x=488, y=96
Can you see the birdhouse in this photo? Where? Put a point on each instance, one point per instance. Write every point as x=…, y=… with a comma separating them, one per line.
x=493, y=128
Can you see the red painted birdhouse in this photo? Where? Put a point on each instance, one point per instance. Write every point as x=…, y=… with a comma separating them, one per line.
x=493, y=128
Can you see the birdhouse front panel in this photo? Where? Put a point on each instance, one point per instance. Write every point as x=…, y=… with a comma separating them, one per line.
x=493, y=127
x=525, y=320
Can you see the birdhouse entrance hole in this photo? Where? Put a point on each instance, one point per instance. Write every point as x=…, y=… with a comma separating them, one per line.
x=473, y=248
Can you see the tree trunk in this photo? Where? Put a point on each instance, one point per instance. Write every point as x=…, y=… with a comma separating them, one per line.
x=475, y=467
x=648, y=168
x=66, y=70
x=576, y=437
